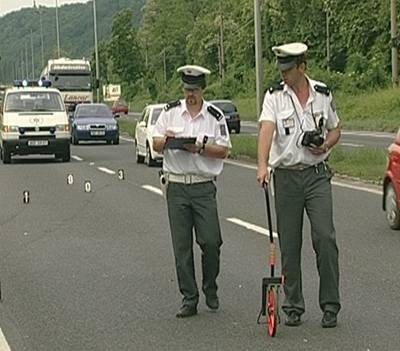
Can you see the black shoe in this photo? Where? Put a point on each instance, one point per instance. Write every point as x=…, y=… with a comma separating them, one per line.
x=212, y=302
x=186, y=311
x=329, y=320
x=293, y=319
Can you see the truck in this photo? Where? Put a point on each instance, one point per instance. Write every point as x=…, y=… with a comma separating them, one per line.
x=72, y=77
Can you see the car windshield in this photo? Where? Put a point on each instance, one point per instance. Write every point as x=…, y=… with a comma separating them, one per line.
x=226, y=107
x=33, y=101
x=155, y=115
x=93, y=111
x=71, y=82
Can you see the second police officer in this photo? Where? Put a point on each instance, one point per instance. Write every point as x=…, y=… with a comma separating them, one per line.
x=298, y=128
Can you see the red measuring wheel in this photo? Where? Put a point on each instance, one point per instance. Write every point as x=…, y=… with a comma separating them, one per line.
x=272, y=310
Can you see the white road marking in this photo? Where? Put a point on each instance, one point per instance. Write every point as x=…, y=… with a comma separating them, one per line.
x=351, y=145
x=127, y=139
x=239, y=164
x=370, y=134
x=76, y=158
x=250, y=226
x=356, y=187
x=336, y=183
x=152, y=189
x=3, y=342
x=91, y=163
x=106, y=170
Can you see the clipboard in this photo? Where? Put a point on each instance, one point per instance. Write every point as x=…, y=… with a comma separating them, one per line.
x=177, y=143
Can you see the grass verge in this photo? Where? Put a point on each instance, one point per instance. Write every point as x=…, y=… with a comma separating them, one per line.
x=366, y=164
x=375, y=111
x=127, y=127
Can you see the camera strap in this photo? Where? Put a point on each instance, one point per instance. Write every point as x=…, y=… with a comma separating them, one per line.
x=297, y=115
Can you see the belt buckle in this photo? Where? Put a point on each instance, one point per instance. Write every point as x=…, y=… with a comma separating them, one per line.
x=187, y=179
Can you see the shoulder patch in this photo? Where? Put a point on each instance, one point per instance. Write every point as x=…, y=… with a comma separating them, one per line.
x=322, y=89
x=218, y=115
x=275, y=87
x=172, y=104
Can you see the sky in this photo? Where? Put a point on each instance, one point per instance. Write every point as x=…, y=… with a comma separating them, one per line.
x=7, y=6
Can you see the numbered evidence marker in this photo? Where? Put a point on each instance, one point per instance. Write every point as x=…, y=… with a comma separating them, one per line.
x=70, y=179
x=25, y=198
x=121, y=174
x=88, y=186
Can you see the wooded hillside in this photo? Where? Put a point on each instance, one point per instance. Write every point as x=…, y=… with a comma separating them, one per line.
x=143, y=46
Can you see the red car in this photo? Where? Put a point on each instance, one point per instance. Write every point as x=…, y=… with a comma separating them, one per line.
x=391, y=185
x=119, y=107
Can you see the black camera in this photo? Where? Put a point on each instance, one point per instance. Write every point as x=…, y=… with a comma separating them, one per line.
x=313, y=138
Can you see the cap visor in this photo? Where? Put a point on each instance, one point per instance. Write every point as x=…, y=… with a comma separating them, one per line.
x=286, y=66
x=191, y=86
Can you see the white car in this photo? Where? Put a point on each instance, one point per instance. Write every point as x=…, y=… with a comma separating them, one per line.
x=143, y=136
x=34, y=121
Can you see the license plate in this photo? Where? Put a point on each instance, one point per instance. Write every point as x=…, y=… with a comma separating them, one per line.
x=38, y=142
x=97, y=132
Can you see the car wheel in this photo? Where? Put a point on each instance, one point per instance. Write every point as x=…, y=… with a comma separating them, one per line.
x=116, y=141
x=139, y=158
x=392, y=207
x=149, y=159
x=6, y=155
x=237, y=129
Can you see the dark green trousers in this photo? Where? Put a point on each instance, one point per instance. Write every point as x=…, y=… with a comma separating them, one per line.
x=309, y=190
x=194, y=206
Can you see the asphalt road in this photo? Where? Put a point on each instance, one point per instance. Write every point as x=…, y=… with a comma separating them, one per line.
x=350, y=139
x=95, y=271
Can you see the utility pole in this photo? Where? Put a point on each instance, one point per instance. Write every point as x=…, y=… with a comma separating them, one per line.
x=221, y=44
x=258, y=53
x=394, y=37
x=26, y=61
x=328, y=53
x=22, y=66
x=32, y=57
x=41, y=36
x=58, y=31
x=96, y=51
x=165, y=68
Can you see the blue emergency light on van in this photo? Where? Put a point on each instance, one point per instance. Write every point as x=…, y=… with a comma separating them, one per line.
x=19, y=83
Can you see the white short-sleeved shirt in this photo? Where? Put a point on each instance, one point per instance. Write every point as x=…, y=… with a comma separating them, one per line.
x=179, y=120
x=283, y=108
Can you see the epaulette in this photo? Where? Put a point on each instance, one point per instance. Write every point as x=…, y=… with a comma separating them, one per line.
x=322, y=89
x=275, y=87
x=172, y=104
x=218, y=115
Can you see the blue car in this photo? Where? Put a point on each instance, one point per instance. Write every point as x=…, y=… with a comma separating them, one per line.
x=94, y=122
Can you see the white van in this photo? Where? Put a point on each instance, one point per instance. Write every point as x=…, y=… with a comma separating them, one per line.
x=34, y=121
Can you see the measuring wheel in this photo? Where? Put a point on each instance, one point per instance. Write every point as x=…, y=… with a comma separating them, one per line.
x=272, y=310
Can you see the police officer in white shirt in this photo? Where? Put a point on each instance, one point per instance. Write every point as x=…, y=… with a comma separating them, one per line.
x=190, y=168
x=298, y=128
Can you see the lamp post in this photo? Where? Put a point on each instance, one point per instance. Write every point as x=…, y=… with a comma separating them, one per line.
x=96, y=51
